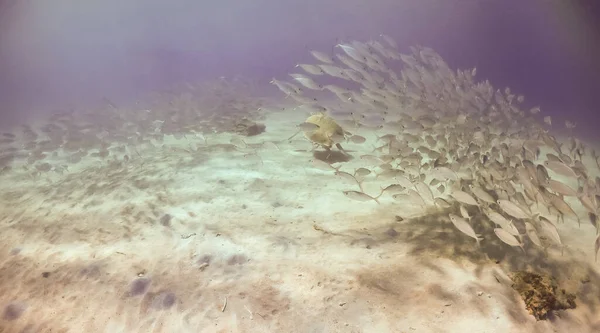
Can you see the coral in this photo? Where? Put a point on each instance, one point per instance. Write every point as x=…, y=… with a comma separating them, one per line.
x=541, y=294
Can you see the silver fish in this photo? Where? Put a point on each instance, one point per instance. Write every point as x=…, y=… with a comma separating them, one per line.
x=507, y=238
x=357, y=139
x=424, y=191
x=393, y=188
x=360, y=196
x=560, y=188
x=504, y=223
x=362, y=172
x=307, y=82
x=550, y=230
x=560, y=168
x=532, y=233
x=481, y=194
x=464, y=213
x=463, y=226
x=513, y=209
x=464, y=197
x=322, y=57
x=311, y=69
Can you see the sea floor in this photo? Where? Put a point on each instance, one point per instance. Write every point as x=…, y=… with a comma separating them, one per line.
x=199, y=235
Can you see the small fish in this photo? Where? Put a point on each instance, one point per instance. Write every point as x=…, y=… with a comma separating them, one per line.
x=371, y=159
x=541, y=174
x=532, y=233
x=548, y=120
x=403, y=180
x=311, y=69
x=560, y=168
x=444, y=173
x=481, y=194
x=560, y=188
x=307, y=82
x=389, y=40
x=513, y=209
x=464, y=213
x=441, y=202
x=464, y=197
x=550, y=230
x=412, y=196
x=588, y=202
x=501, y=221
x=322, y=57
x=362, y=172
x=563, y=207
x=351, y=52
x=360, y=196
x=357, y=139
x=424, y=191
x=347, y=176
x=393, y=188
x=507, y=238
x=287, y=88
x=463, y=226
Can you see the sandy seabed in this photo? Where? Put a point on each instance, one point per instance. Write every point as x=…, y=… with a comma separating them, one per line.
x=222, y=239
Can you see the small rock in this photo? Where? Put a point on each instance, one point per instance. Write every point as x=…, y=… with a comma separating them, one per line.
x=391, y=232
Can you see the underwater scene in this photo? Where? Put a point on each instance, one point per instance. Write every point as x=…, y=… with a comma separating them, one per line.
x=365, y=184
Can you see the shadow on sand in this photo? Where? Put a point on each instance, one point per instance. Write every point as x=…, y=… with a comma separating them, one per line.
x=433, y=236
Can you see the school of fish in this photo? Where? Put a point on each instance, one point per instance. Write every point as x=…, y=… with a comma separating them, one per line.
x=445, y=139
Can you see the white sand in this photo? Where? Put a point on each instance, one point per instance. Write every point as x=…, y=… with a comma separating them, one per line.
x=286, y=251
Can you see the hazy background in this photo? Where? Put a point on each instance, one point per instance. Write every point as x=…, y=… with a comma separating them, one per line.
x=58, y=52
